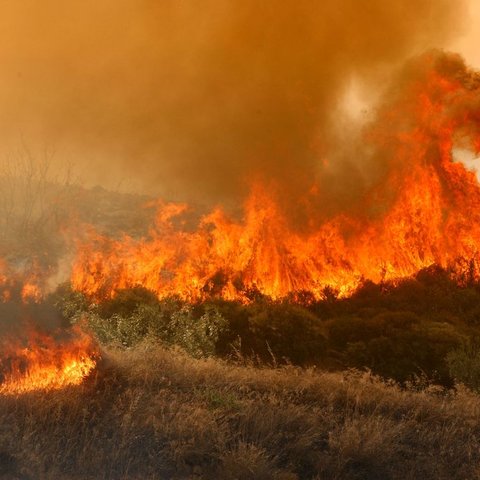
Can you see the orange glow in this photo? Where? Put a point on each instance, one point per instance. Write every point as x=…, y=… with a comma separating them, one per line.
x=35, y=360
x=42, y=363
x=28, y=284
x=31, y=292
x=426, y=210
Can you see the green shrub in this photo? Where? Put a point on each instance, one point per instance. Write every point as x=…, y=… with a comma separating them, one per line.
x=286, y=331
x=395, y=331
x=396, y=345
x=197, y=336
x=126, y=330
x=126, y=302
x=128, y=320
x=464, y=364
x=71, y=304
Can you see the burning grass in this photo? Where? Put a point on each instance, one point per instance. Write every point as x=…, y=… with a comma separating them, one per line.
x=154, y=413
x=45, y=361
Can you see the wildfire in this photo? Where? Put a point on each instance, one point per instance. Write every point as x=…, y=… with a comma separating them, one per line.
x=30, y=358
x=426, y=210
x=41, y=362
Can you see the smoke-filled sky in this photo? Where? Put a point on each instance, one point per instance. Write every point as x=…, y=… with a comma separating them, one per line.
x=192, y=100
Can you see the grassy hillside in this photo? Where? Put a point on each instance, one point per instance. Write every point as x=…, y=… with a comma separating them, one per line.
x=154, y=413
x=264, y=390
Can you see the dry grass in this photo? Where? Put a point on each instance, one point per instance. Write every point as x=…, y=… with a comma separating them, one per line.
x=151, y=413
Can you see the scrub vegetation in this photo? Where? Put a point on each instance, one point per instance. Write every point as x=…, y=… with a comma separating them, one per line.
x=152, y=412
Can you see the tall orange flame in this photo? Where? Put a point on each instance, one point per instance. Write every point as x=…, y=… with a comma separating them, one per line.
x=425, y=211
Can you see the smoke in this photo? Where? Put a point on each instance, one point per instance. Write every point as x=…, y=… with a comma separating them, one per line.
x=193, y=100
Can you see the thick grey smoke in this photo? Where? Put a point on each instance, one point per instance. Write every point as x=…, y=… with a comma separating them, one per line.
x=195, y=99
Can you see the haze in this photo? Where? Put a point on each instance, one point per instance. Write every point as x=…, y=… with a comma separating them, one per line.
x=193, y=100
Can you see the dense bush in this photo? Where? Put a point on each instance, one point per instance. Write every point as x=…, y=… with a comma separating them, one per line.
x=135, y=314
x=415, y=328
x=464, y=364
x=273, y=331
x=395, y=344
x=197, y=336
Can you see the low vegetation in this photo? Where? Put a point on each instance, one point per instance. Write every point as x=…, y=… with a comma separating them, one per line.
x=425, y=328
x=382, y=385
x=152, y=412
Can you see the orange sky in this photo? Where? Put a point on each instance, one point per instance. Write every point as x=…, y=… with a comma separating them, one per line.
x=468, y=44
x=181, y=98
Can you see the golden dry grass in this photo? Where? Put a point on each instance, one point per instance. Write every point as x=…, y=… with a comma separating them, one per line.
x=152, y=413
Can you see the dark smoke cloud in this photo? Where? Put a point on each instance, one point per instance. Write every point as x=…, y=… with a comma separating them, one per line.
x=194, y=98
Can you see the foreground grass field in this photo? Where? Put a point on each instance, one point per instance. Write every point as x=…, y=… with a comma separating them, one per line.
x=154, y=413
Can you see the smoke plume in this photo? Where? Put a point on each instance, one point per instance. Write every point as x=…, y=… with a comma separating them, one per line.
x=193, y=100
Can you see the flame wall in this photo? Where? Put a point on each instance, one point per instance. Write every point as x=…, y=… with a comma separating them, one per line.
x=424, y=210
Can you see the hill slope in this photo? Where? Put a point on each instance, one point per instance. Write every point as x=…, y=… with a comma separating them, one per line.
x=153, y=413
